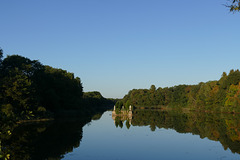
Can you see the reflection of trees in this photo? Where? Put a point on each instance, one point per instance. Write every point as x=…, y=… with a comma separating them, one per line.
x=128, y=125
x=218, y=127
x=42, y=141
x=119, y=120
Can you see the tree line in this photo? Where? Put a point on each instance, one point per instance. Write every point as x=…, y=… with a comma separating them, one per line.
x=30, y=90
x=221, y=96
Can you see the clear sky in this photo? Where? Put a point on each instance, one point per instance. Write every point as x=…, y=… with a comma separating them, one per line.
x=117, y=45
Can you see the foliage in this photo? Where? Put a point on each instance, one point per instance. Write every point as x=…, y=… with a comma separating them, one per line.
x=222, y=95
x=30, y=90
x=94, y=101
x=18, y=89
x=59, y=89
x=119, y=105
x=234, y=5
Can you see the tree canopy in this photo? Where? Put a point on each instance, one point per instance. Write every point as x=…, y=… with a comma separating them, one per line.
x=30, y=90
x=222, y=95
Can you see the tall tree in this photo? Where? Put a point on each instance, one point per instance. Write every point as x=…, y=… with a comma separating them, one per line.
x=18, y=92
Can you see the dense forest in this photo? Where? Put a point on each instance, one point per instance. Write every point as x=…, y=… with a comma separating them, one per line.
x=30, y=90
x=220, y=96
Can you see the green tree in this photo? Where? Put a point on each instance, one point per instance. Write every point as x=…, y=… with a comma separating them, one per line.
x=127, y=104
x=119, y=105
x=152, y=88
x=19, y=98
x=59, y=89
x=28, y=88
x=209, y=96
x=233, y=98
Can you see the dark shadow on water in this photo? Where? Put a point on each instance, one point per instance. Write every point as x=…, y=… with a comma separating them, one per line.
x=45, y=140
x=53, y=139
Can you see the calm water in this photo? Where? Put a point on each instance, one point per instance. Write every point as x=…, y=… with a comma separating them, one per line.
x=148, y=134
x=102, y=140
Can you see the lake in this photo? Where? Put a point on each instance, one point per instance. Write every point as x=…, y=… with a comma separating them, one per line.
x=147, y=134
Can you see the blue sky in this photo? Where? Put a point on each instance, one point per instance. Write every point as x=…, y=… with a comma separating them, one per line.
x=117, y=45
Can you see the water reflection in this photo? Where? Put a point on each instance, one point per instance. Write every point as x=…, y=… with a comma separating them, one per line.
x=224, y=128
x=53, y=140
x=45, y=140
